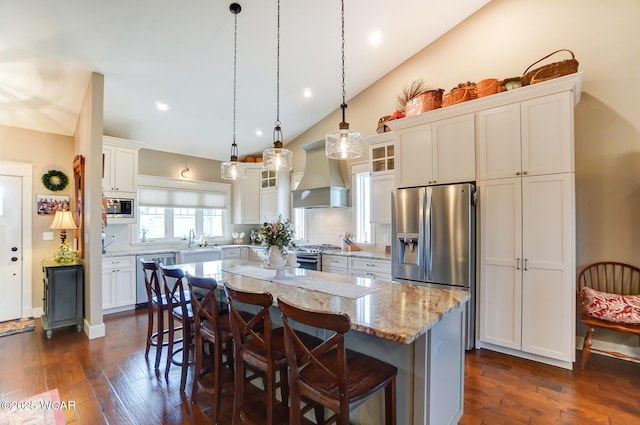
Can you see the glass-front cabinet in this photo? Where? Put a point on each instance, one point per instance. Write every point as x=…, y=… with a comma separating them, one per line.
x=382, y=157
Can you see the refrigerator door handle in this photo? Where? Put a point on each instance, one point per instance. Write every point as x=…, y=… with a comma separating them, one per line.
x=428, y=235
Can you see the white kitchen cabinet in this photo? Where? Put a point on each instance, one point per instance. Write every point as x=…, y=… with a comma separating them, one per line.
x=532, y=137
x=246, y=198
x=262, y=195
x=337, y=264
x=438, y=152
x=527, y=265
x=120, y=166
x=235, y=253
x=382, y=167
x=118, y=284
x=370, y=268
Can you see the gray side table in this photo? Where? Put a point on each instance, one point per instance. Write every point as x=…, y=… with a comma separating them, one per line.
x=63, y=296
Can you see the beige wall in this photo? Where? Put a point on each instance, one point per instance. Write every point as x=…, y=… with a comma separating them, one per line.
x=501, y=40
x=165, y=164
x=46, y=152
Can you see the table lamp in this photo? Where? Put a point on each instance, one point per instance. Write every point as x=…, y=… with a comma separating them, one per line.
x=63, y=220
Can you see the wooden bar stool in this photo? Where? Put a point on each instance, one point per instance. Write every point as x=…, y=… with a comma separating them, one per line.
x=260, y=349
x=329, y=374
x=212, y=327
x=156, y=306
x=179, y=307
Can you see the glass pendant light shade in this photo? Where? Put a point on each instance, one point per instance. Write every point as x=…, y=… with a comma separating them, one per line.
x=343, y=143
x=231, y=170
x=277, y=158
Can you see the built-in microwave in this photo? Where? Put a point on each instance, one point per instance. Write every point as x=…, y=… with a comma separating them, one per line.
x=120, y=208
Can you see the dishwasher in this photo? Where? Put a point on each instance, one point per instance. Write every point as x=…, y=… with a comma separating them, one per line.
x=166, y=258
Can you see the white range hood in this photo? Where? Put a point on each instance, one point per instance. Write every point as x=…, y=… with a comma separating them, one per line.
x=322, y=185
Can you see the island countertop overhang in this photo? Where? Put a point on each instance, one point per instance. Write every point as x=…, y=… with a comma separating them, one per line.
x=399, y=312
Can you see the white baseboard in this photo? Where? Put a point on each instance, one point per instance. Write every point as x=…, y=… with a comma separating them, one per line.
x=610, y=346
x=92, y=332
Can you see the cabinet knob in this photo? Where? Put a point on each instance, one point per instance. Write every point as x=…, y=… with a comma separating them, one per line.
x=524, y=173
x=14, y=248
x=517, y=173
x=14, y=259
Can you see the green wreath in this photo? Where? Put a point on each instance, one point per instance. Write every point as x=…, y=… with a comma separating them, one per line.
x=55, y=180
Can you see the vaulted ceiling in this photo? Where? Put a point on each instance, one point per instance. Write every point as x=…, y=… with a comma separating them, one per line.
x=181, y=53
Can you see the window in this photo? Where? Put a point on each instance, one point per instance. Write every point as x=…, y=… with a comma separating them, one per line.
x=362, y=205
x=169, y=209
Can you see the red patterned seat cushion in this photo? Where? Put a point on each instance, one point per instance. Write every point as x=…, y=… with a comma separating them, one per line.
x=612, y=307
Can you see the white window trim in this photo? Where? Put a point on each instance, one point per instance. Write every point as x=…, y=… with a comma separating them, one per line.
x=357, y=168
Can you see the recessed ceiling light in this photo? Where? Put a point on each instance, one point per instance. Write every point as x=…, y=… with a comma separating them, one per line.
x=258, y=132
x=375, y=38
x=162, y=106
x=307, y=93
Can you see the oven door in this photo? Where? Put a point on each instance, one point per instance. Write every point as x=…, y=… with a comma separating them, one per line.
x=309, y=261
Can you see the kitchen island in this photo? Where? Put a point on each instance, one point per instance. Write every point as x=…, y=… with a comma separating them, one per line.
x=417, y=329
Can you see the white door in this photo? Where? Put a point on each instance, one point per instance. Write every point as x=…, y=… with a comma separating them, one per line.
x=548, y=293
x=10, y=248
x=501, y=262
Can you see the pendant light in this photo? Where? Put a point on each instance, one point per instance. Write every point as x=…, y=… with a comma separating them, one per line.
x=343, y=143
x=232, y=169
x=277, y=158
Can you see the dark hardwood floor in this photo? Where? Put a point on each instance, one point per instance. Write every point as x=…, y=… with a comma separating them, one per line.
x=111, y=383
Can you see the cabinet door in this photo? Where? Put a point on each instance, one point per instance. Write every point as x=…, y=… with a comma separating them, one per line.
x=125, y=286
x=381, y=188
x=126, y=170
x=454, y=156
x=415, y=157
x=108, y=161
x=269, y=204
x=499, y=142
x=500, y=262
x=246, y=197
x=108, y=288
x=548, y=288
x=547, y=135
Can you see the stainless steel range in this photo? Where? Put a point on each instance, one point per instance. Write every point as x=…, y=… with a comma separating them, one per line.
x=310, y=256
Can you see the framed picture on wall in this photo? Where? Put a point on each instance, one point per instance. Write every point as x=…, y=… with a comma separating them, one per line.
x=49, y=204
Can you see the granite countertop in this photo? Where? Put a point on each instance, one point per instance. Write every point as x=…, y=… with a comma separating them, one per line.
x=398, y=312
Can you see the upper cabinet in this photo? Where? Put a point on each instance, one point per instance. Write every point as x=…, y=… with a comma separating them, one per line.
x=533, y=137
x=261, y=195
x=382, y=167
x=437, y=152
x=120, y=165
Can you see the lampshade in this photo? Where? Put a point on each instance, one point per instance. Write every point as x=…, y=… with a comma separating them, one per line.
x=277, y=158
x=343, y=143
x=231, y=170
x=63, y=220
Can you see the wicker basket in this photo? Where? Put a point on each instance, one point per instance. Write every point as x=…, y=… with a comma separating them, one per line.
x=550, y=71
x=459, y=95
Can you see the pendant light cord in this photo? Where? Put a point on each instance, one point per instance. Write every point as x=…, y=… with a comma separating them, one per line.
x=344, y=93
x=278, y=70
x=234, y=147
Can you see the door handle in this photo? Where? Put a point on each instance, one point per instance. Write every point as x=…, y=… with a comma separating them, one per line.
x=525, y=264
x=517, y=263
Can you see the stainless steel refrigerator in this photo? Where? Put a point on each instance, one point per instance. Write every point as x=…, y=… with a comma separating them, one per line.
x=433, y=240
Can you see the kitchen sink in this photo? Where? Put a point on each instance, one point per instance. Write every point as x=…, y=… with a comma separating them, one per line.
x=197, y=255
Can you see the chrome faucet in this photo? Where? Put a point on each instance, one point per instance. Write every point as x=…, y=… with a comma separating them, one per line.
x=105, y=245
x=192, y=237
